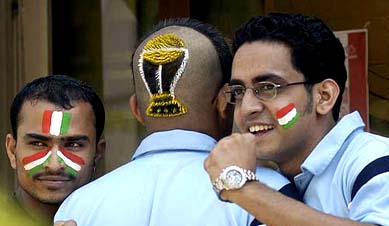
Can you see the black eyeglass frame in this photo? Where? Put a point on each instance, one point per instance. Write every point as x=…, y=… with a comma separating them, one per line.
x=257, y=91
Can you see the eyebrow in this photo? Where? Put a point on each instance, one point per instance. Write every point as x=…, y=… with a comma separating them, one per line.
x=36, y=136
x=235, y=82
x=75, y=138
x=267, y=77
x=258, y=78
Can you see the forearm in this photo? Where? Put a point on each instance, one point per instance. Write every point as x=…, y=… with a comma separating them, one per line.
x=274, y=209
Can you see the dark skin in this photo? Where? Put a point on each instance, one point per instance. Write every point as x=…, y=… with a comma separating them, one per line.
x=41, y=194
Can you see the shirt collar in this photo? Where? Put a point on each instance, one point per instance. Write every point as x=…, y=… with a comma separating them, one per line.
x=175, y=140
x=328, y=147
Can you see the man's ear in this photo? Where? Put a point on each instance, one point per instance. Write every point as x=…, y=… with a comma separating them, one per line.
x=10, y=145
x=222, y=106
x=134, y=107
x=326, y=95
x=100, y=150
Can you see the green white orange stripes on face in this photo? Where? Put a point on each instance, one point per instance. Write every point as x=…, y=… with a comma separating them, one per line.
x=36, y=162
x=287, y=116
x=73, y=162
x=55, y=122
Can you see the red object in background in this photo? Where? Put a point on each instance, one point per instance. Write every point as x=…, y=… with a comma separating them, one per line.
x=356, y=93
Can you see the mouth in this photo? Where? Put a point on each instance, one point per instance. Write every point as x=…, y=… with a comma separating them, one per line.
x=54, y=182
x=260, y=128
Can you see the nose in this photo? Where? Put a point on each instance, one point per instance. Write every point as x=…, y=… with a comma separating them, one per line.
x=54, y=165
x=250, y=104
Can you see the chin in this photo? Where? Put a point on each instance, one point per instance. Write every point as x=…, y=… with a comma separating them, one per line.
x=266, y=154
x=55, y=198
x=52, y=200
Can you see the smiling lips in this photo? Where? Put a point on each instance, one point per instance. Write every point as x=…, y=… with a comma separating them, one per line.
x=260, y=128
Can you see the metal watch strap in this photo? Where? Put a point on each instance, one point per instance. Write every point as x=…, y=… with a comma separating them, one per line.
x=250, y=175
x=218, y=184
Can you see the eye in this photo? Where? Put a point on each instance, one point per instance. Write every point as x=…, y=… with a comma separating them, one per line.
x=267, y=87
x=37, y=144
x=73, y=145
x=237, y=91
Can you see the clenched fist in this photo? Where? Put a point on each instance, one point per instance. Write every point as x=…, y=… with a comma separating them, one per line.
x=237, y=149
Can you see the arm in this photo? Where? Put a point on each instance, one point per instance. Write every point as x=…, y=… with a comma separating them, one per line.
x=267, y=205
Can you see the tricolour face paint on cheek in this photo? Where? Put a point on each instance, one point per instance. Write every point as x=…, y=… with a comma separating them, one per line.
x=35, y=163
x=287, y=116
x=55, y=122
x=73, y=162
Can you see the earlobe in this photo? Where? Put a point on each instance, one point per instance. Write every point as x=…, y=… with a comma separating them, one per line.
x=134, y=107
x=10, y=145
x=221, y=104
x=328, y=91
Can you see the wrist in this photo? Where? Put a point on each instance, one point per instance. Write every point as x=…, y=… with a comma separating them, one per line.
x=232, y=178
x=236, y=195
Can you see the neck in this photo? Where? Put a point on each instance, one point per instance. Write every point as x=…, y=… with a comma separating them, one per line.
x=291, y=166
x=41, y=212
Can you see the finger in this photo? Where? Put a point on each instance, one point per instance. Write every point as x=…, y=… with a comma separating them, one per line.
x=65, y=223
x=206, y=163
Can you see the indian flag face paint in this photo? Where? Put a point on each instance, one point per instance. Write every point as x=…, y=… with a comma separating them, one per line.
x=73, y=162
x=35, y=163
x=287, y=116
x=55, y=122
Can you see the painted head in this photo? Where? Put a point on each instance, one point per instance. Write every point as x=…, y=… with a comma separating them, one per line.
x=57, y=124
x=179, y=70
x=288, y=76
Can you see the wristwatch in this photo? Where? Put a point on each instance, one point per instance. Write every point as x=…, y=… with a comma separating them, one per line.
x=232, y=178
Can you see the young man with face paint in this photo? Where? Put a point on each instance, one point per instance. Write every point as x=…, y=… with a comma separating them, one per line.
x=288, y=77
x=179, y=70
x=56, y=141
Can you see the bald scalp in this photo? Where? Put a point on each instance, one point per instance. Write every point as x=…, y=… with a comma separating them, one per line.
x=200, y=82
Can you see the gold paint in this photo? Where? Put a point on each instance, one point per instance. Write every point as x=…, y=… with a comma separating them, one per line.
x=163, y=49
x=165, y=105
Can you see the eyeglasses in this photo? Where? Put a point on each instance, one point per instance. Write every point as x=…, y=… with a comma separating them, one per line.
x=262, y=90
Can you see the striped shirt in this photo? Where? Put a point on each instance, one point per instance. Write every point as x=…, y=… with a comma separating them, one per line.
x=347, y=174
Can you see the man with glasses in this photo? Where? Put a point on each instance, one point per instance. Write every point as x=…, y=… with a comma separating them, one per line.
x=288, y=77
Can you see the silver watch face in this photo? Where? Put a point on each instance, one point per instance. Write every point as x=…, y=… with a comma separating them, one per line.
x=234, y=178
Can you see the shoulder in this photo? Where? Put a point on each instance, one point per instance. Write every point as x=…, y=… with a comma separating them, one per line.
x=366, y=157
x=271, y=177
x=363, y=149
x=277, y=181
x=82, y=202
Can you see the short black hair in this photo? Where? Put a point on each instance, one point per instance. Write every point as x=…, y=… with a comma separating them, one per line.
x=60, y=90
x=316, y=52
x=217, y=39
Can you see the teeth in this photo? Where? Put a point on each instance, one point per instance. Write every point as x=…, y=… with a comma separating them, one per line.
x=257, y=128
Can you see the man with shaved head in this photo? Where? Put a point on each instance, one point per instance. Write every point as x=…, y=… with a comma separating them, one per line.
x=179, y=71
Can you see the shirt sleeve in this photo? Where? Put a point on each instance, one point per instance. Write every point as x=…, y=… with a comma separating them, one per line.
x=369, y=195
